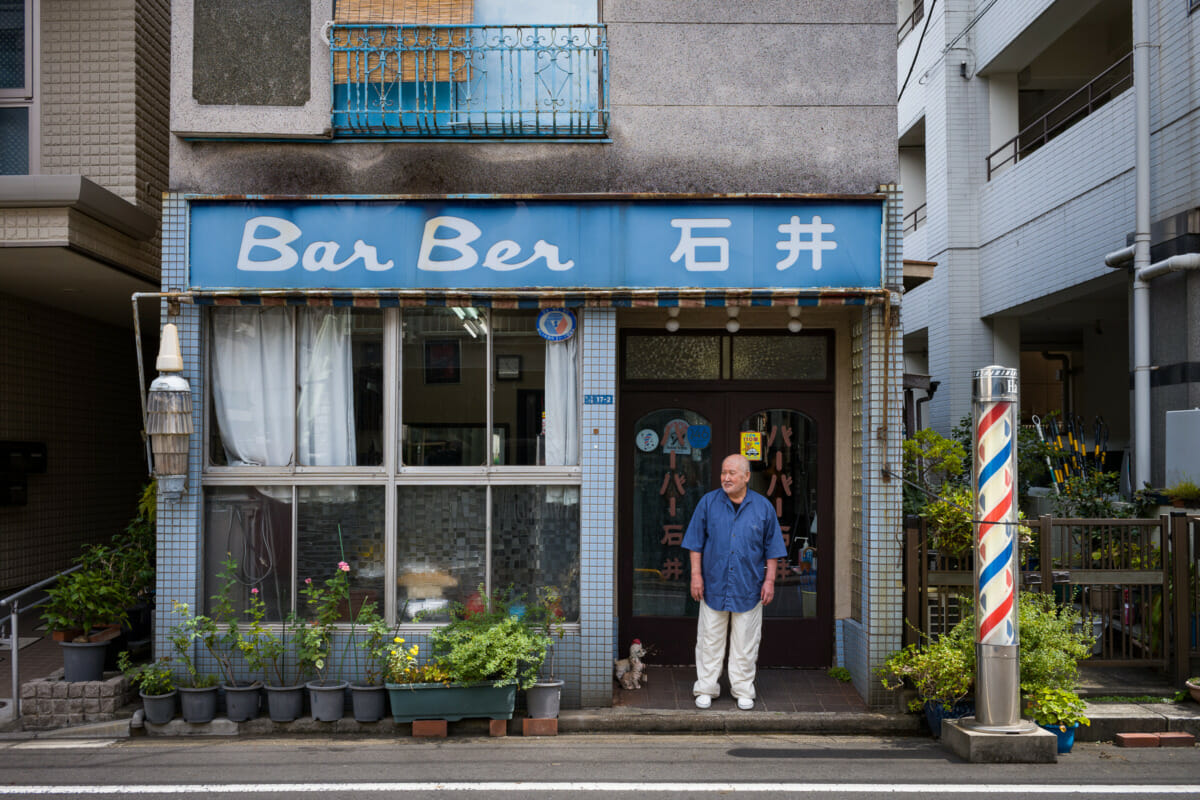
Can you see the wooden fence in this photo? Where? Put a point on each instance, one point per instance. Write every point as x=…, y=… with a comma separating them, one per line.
x=1133, y=582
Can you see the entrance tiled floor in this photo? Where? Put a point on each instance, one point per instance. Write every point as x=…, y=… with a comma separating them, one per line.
x=778, y=690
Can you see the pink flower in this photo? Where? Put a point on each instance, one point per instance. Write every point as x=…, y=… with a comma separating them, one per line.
x=308, y=580
x=254, y=590
x=343, y=566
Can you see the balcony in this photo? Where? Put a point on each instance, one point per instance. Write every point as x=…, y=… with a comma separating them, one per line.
x=469, y=81
x=1103, y=88
x=910, y=22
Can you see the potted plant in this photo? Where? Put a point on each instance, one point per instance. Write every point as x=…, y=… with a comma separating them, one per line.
x=543, y=698
x=267, y=653
x=1059, y=711
x=1193, y=687
x=222, y=636
x=1184, y=494
x=370, y=643
x=128, y=557
x=155, y=684
x=942, y=671
x=85, y=609
x=314, y=644
x=198, y=697
x=486, y=654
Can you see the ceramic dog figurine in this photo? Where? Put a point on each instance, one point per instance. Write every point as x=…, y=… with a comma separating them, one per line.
x=631, y=672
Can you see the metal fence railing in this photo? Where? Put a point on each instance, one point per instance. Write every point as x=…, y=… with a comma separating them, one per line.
x=481, y=81
x=1104, y=87
x=1133, y=583
x=910, y=22
x=914, y=219
x=11, y=630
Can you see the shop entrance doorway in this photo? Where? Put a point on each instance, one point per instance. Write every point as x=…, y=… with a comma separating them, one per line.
x=670, y=451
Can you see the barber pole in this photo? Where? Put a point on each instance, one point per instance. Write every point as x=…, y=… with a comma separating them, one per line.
x=997, y=685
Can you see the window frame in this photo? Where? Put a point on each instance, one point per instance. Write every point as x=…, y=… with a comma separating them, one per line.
x=26, y=96
x=391, y=474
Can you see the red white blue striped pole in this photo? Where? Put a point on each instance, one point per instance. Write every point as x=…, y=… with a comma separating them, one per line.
x=997, y=679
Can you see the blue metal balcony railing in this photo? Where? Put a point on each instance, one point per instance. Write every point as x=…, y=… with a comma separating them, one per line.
x=480, y=81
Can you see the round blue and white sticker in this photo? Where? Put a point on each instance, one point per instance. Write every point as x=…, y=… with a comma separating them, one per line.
x=699, y=436
x=647, y=440
x=555, y=324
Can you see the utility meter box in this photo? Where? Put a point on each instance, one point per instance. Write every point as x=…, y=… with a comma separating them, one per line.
x=1183, y=446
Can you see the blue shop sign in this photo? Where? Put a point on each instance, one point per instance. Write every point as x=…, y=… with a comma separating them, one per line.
x=513, y=244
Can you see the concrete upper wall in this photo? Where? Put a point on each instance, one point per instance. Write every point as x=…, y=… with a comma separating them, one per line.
x=762, y=96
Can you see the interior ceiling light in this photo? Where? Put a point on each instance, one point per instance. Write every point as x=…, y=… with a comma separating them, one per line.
x=794, y=324
x=732, y=325
x=673, y=319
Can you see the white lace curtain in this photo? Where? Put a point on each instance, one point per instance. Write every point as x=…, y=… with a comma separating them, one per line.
x=257, y=399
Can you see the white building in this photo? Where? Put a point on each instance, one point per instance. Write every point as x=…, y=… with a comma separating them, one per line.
x=1016, y=130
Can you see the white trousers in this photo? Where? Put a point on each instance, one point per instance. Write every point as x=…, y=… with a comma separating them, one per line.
x=745, y=632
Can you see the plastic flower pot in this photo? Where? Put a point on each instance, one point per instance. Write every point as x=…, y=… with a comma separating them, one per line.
x=285, y=703
x=369, y=703
x=327, y=699
x=1066, y=738
x=159, y=708
x=198, y=705
x=83, y=661
x=936, y=712
x=242, y=700
x=413, y=701
x=542, y=700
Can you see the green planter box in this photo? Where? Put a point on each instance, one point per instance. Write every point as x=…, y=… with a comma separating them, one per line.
x=413, y=701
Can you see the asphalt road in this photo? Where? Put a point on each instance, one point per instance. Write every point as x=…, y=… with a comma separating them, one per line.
x=610, y=766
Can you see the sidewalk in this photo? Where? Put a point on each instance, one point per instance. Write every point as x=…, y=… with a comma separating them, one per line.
x=789, y=701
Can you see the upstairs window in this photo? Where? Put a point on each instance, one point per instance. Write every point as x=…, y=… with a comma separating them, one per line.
x=468, y=68
x=16, y=86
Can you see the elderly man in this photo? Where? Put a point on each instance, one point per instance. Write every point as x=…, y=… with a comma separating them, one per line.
x=734, y=539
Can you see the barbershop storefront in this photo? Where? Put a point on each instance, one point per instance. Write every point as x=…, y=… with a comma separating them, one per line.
x=455, y=393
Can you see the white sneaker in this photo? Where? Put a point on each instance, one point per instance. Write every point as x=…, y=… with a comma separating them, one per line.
x=703, y=701
x=745, y=703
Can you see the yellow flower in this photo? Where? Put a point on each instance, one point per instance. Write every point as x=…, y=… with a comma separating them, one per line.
x=398, y=640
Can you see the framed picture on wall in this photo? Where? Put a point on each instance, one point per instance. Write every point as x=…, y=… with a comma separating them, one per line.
x=508, y=368
x=443, y=361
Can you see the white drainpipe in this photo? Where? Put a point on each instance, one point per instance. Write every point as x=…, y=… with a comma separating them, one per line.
x=1139, y=252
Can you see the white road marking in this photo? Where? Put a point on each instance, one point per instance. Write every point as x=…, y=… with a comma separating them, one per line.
x=597, y=786
x=63, y=744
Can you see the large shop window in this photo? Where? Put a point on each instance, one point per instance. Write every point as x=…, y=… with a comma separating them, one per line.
x=486, y=421
x=296, y=386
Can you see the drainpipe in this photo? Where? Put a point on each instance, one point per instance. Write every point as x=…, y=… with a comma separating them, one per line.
x=1141, y=244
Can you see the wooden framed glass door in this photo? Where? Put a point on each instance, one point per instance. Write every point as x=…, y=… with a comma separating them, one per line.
x=670, y=449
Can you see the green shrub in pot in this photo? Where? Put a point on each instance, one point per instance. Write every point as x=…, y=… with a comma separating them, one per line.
x=84, y=600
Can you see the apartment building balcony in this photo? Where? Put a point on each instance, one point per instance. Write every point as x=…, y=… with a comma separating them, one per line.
x=1110, y=83
x=469, y=81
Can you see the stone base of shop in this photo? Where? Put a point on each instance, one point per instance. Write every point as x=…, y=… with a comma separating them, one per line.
x=50, y=702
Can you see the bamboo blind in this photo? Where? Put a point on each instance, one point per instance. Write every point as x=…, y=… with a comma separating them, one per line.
x=421, y=61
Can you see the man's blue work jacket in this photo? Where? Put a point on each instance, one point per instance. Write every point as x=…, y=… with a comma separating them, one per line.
x=734, y=546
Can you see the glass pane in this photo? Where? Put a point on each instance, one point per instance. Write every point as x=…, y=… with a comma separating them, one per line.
x=440, y=548
x=789, y=357
x=535, y=541
x=787, y=476
x=253, y=386
x=444, y=378
x=14, y=141
x=535, y=398
x=342, y=523
x=367, y=338
x=12, y=46
x=252, y=525
x=669, y=478
x=673, y=358
x=328, y=407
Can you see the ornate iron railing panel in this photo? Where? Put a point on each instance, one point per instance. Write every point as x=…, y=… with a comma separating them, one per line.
x=475, y=81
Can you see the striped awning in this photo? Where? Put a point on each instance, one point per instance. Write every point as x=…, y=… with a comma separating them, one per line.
x=532, y=300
